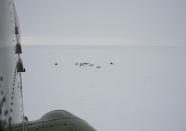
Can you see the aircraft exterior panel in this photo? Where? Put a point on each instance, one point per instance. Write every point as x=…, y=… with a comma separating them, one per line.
x=11, y=111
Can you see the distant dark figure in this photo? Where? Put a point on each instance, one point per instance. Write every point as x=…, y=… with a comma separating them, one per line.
x=98, y=66
x=111, y=63
x=56, y=64
x=81, y=64
x=84, y=64
x=25, y=118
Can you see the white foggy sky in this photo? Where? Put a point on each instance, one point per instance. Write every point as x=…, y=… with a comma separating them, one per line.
x=136, y=22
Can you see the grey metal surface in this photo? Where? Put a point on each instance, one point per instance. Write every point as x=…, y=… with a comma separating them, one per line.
x=58, y=120
x=11, y=110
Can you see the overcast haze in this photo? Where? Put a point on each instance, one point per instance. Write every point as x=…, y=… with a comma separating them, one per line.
x=150, y=22
x=143, y=90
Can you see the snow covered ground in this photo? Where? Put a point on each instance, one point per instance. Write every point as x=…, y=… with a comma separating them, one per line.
x=132, y=88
